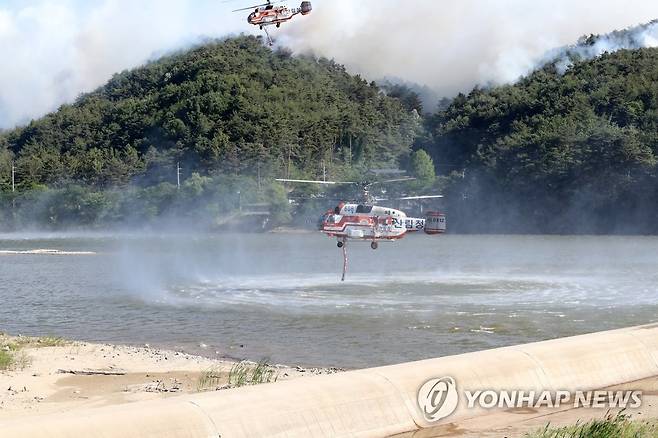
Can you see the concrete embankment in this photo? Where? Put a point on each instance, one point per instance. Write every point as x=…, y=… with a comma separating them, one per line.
x=376, y=402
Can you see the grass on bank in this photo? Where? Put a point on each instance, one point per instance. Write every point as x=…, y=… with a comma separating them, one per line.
x=6, y=360
x=246, y=373
x=49, y=341
x=15, y=360
x=241, y=374
x=12, y=356
x=15, y=343
x=617, y=426
x=211, y=379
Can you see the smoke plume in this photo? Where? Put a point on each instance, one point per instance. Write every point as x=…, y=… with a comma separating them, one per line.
x=451, y=46
x=645, y=35
x=53, y=50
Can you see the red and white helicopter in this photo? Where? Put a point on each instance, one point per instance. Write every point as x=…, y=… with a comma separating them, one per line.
x=371, y=223
x=267, y=14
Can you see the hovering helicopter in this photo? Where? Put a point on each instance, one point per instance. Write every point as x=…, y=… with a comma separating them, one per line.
x=367, y=222
x=267, y=14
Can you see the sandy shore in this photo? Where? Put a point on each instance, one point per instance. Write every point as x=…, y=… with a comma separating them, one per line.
x=51, y=375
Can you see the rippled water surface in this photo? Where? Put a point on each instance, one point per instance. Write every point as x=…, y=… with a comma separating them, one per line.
x=279, y=296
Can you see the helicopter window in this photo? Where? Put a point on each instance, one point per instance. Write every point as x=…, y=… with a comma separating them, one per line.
x=364, y=209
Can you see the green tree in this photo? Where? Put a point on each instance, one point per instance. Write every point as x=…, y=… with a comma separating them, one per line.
x=421, y=167
x=279, y=205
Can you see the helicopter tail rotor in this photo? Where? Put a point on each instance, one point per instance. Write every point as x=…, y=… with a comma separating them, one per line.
x=306, y=8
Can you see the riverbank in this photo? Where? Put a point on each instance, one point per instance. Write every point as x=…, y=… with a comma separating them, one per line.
x=375, y=402
x=51, y=375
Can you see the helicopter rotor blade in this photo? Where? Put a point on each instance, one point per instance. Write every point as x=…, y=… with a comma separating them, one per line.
x=387, y=171
x=408, y=198
x=405, y=179
x=417, y=198
x=248, y=8
x=267, y=3
x=366, y=184
x=408, y=178
x=306, y=181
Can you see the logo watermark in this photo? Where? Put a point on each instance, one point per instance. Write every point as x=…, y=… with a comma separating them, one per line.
x=439, y=398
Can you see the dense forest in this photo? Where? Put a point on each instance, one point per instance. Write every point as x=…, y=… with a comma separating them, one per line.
x=558, y=152
x=232, y=114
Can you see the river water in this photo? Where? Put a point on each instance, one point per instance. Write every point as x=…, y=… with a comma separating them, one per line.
x=278, y=296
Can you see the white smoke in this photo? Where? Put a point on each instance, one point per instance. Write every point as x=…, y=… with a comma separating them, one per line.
x=591, y=47
x=453, y=45
x=53, y=50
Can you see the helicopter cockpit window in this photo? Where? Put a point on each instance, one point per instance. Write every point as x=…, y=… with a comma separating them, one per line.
x=364, y=209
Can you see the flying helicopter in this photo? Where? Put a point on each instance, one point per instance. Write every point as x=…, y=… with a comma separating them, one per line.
x=366, y=222
x=267, y=14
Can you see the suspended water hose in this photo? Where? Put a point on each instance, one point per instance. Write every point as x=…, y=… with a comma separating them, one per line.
x=344, y=260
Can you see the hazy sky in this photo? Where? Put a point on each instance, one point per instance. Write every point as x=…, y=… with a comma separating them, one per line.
x=53, y=50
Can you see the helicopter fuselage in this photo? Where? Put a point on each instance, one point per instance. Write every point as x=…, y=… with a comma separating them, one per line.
x=275, y=15
x=368, y=222
x=268, y=17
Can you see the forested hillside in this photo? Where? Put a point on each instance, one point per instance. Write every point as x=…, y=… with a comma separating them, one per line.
x=234, y=114
x=573, y=152
x=560, y=152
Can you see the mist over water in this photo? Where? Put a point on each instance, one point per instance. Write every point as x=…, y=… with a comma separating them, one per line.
x=279, y=296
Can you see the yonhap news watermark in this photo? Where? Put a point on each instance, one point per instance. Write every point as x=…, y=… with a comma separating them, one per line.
x=439, y=399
